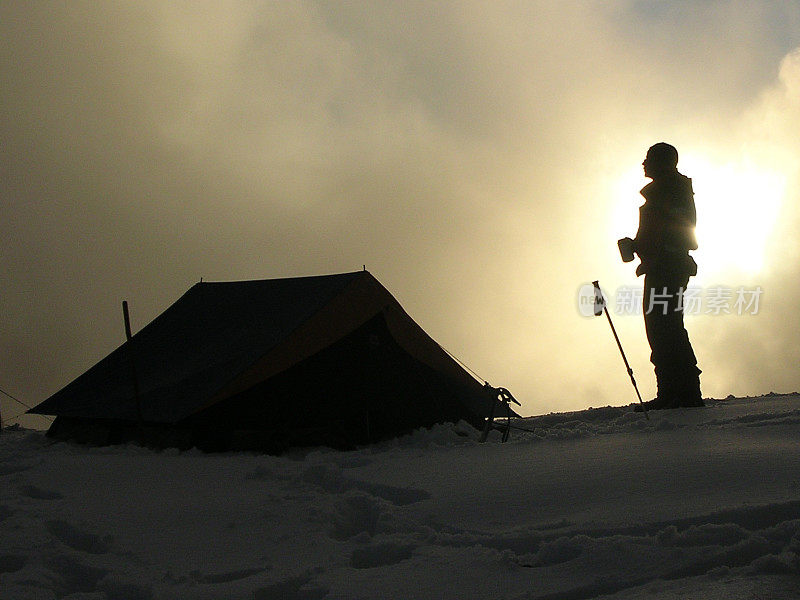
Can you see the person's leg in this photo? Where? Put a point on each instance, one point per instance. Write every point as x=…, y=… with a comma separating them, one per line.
x=673, y=358
x=681, y=360
x=656, y=314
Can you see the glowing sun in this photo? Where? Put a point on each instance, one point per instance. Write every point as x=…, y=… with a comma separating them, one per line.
x=738, y=204
x=737, y=208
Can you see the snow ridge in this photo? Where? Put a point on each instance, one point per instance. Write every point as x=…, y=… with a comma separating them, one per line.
x=691, y=503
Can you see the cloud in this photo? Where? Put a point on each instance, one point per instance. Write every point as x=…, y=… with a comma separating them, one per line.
x=466, y=152
x=759, y=353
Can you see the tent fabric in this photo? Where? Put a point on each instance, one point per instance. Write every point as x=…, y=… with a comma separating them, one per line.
x=277, y=354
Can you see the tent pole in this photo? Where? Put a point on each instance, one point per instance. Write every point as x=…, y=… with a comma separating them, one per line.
x=134, y=376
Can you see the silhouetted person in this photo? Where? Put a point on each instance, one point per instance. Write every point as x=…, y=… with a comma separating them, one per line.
x=666, y=235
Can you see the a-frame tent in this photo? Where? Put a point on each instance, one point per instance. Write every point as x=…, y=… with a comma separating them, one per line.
x=269, y=364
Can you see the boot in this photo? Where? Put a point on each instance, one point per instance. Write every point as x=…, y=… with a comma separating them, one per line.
x=667, y=391
x=665, y=395
x=688, y=393
x=657, y=403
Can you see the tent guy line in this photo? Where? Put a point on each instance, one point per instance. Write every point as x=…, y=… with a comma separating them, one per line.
x=2, y=391
x=19, y=414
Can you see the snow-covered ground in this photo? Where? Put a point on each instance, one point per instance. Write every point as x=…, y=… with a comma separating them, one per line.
x=694, y=503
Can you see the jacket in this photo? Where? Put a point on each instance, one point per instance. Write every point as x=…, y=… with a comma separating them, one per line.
x=667, y=221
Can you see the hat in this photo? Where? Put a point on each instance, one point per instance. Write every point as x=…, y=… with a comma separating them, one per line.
x=663, y=155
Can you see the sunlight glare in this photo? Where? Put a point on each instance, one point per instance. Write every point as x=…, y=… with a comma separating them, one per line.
x=737, y=208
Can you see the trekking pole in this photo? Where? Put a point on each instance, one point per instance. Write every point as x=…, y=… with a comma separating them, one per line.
x=599, y=308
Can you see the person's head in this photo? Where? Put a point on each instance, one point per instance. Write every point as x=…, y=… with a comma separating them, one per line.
x=661, y=159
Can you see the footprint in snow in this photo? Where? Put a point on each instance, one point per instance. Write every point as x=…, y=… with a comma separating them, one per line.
x=11, y=562
x=77, y=539
x=9, y=468
x=380, y=555
x=5, y=512
x=225, y=577
x=296, y=588
x=72, y=576
x=31, y=491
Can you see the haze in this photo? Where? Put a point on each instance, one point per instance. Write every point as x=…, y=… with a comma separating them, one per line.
x=481, y=159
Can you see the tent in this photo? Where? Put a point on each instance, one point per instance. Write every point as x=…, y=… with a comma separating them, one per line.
x=269, y=364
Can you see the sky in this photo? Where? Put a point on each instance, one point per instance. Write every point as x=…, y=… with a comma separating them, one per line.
x=479, y=158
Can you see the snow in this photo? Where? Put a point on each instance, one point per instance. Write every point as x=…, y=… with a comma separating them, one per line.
x=692, y=503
